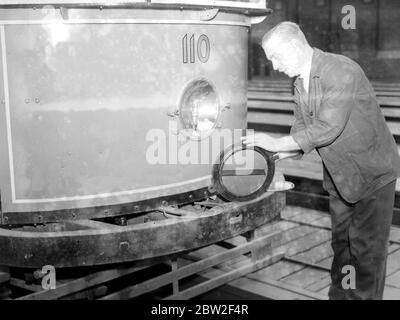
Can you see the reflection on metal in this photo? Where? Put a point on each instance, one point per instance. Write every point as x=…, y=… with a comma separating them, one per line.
x=257, y=20
x=199, y=109
x=279, y=183
x=209, y=14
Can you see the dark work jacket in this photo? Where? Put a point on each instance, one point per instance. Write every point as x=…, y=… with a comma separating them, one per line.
x=342, y=120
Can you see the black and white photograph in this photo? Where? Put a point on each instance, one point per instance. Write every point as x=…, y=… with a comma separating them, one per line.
x=211, y=153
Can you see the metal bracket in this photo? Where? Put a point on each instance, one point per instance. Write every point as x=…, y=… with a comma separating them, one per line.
x=209, y=14
x=257, y=19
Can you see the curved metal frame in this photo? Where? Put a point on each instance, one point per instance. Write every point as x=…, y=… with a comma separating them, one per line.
x=217, y=173
x=89, y=242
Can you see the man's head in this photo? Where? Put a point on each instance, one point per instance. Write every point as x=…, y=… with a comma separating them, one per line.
x=287, y=48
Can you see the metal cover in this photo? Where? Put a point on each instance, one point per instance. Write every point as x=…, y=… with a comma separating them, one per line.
x=245, y=180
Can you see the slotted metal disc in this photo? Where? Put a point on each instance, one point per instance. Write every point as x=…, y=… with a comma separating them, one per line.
x=242, y=173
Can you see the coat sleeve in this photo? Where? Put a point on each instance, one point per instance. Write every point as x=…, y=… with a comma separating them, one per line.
x=337, y=101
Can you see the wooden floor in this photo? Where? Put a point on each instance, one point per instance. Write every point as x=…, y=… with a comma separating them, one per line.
x=304, y=272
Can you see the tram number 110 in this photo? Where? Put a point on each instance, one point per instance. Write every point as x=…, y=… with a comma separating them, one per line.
x=190, y=50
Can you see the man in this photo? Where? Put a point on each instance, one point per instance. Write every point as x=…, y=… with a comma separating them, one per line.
x=336, y=113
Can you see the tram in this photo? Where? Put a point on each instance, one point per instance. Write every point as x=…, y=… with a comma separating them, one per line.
x=104, y=108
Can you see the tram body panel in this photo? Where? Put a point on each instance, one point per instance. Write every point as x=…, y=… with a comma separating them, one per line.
x=81, y=98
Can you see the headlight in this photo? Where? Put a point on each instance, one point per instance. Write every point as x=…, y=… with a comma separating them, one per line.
x=199, y=108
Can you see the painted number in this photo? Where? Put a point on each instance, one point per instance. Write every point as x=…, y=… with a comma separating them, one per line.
x=190, y=50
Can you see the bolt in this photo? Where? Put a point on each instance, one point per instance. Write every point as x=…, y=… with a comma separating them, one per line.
x=124, y=246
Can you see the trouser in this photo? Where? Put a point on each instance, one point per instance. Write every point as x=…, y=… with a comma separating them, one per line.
x=360, y=239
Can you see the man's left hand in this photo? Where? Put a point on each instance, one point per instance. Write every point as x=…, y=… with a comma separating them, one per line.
x=261, y=140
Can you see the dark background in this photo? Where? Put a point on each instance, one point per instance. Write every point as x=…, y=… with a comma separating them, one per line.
x=374, y=44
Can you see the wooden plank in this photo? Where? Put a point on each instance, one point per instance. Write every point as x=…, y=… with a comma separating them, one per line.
x=305, y=215
x=391, y=293
x=326, y=263
x=393, y=247
x=197, y=267
x=394, y=280
x=321, y=284
x=263, y=289
x=316, y=254
x=326, y=223
x=19, y=283
x=4, y=274
x=246, y=286
x=300, y=214
x=324, y=292
x=288, y=238
x=81, y=283
x=307, y=242
x=393, y=263
x=266, y=118
x=224, y=278
x=305, y=277
x=295, y=289
x=276, y=271
x=395, y=235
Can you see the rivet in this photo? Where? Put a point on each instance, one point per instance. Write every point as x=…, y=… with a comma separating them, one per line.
x=124, y=245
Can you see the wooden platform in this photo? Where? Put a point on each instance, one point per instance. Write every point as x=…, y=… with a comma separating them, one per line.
x=304, y=272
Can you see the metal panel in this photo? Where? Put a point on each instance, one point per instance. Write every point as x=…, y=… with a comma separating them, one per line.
x=80, y=98
x=254, y=4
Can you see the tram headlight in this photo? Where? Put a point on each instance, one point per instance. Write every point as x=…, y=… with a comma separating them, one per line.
x=199, y=108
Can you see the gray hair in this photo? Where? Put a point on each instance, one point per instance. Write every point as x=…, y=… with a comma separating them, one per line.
x=286, y=31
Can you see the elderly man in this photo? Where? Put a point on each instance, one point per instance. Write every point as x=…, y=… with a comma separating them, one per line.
x=337, y=114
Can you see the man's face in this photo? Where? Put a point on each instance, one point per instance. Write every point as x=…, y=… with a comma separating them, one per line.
x=284, y=57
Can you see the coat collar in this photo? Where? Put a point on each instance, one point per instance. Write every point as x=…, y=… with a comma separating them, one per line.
x=316, y=66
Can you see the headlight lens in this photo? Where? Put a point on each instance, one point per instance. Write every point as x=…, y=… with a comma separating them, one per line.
x=199, y=108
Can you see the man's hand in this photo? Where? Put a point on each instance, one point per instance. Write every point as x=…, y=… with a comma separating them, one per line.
x=265, y=141
x=262, y=140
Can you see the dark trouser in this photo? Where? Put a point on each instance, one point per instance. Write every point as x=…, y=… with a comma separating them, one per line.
x=360, y=238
